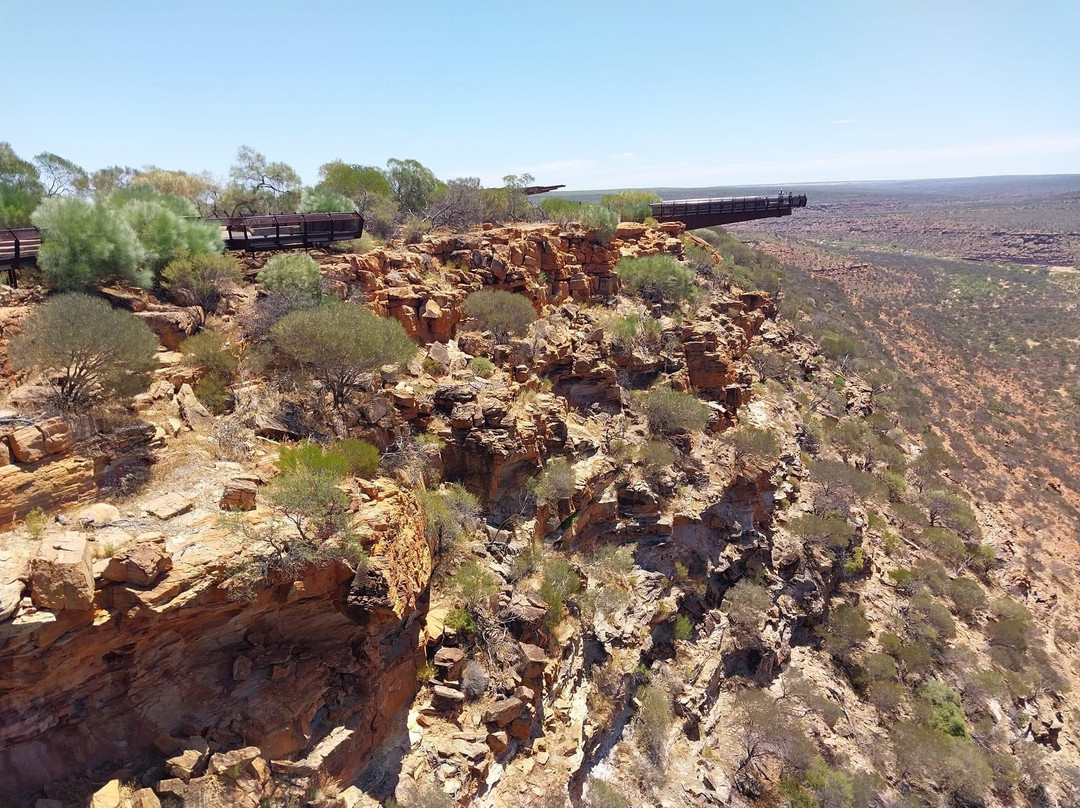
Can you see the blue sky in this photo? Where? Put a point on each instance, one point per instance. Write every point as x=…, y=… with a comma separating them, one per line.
x=592, y=94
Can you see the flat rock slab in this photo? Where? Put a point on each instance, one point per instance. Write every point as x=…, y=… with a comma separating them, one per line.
x=168, y=506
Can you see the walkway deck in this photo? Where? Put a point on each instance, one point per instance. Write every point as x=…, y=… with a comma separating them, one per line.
x=695, y=213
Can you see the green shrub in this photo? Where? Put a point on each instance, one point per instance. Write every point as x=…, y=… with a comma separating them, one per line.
x=363, y=457
x=341, y=344
x=501, y=313
x=682, y=628
x=967, y=596
x=600, y=794
x=293, y=275
x=205, y=277
x=166, y=227
x=449, y=515
x=559, y=580
x=845, y=629
x=306, y=492
x=945, y=714
x=84, y=245
x=755, y=450
x=746, y=604
x=207, y=350
x=16, y=206
x=322, y=200
x=556, y=482
x=599, y=219
x=474, y=584
x=657, y=455
x=35, y=522
x=461, y=621
x=560, y=210
x=653, y=723
x=482, y=367
x=632, y=206
x=833, y=532
x=944, y=509
x=86, y=347
x=212, y=393
x=425, y=673
x=669, y=411
x=657, y=278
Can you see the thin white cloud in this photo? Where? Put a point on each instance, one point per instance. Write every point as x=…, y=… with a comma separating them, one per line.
x=841, y=122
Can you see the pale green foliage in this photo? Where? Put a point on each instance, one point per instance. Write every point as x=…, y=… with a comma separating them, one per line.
x=845, y=629
x=363, y=457
x=755, y=450
x=501, y=313
x=204, y=277
x=340, y=344
x=450, y=515
x=482, y=367
x=306, y=493
x=18, y=173
x=653, y=724
x=87, y=347
x=556, y=482
x=560, y=210
x=259, y=185
x=474, y=584
x=412, y=184
x=559, y=580
x=632, y=206
x=83, y=244
x=603, y=795
x=164, y=235
x=294, y=275
x=669, y=411
x=746, y=604
x=35, y=522
x=657, y=278
x=600, y=219
x=323, y=200
x=833, y=531
x=16, y=205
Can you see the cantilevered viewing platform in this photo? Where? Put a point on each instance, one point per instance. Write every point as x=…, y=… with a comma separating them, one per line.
x=695, y=213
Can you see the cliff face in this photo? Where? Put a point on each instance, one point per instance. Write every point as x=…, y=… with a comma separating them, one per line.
x=179, y=658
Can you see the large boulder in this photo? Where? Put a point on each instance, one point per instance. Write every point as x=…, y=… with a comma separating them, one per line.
x=141, y=565
x=504, y=711
x=62, y=576
x=27, y=444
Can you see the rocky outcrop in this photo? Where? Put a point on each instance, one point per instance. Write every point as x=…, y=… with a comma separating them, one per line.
x=163, y=651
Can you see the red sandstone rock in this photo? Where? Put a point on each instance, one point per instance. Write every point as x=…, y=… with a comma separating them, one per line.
x=504, y=711
x=62, y=575
x=27, y=444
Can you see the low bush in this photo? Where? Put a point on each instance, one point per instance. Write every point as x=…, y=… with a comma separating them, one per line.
x=746, y=604
x=87, y=348
x=669, y=411
x=501, y=313
x=85, y=245
x=202, y=277
x=845, y=630
x=450, y=515
x=474, y=681
x=482, y=367
x=599, y=219
x=322, y=200
x=560, y=210
x=559, y=580
x=833, y=532
x=653, y=722
x=556, y=482
x=755, y=450
x=363, y=457
x=632, y=206
x=474, y=584
x=658, y=279
x=296, y=276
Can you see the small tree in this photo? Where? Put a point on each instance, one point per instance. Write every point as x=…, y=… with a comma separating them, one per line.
x=449, y=515
x=307, y=494
x=556, y=482
x=474, y=583
x=341, y=344
x=833, y=532
x=204, y=277
x=845, y=629
x=747, y=604
x=657, y=278
x=669, y=411
x=83, y=244
x=363, y=457
x=756, y=450
x=654, y=721
x=501, y=313
x=323, y=200
x=86, y=348
x=293, y=275
x=166, y=226
x=558, y=582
